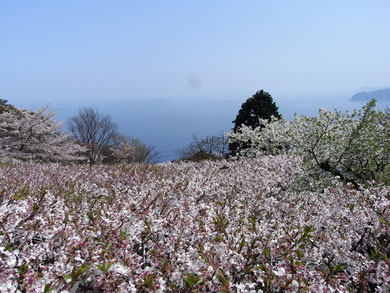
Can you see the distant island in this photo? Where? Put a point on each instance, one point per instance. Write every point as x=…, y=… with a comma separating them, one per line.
x=379, y=95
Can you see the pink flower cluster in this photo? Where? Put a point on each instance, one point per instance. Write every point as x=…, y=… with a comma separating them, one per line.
x=239, y=226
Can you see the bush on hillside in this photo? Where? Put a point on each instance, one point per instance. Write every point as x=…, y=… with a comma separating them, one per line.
x=213, y=147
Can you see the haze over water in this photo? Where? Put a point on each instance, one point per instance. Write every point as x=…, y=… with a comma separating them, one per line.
x=165, y=70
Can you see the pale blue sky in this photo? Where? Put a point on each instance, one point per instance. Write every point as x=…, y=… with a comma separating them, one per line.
x=81, y=50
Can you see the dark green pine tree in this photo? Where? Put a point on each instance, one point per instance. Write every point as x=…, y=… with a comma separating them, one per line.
x=260, y=105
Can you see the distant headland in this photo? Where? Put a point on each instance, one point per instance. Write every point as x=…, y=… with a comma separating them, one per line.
x=379, y=95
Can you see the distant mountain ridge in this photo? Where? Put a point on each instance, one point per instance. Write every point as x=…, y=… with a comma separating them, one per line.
x=379, y=95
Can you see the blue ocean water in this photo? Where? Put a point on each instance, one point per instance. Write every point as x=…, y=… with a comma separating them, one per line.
x=169, y=124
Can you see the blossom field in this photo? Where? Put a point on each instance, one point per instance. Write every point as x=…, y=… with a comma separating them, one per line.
x=225, y=226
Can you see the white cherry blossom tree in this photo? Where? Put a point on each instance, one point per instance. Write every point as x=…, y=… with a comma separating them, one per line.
x=27, y=134
x=352, y=146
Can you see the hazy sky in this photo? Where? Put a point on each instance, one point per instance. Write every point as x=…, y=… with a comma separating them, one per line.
x=122, y=50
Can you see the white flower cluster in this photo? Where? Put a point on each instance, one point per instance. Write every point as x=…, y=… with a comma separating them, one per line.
x=226, y=226
x=28, y=134
x=354, y=147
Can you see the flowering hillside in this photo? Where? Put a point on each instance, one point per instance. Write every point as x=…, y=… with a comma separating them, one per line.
x=239, y=226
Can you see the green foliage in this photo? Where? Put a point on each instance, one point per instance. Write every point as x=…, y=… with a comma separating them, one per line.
x=22, y=193
x=77, y=272
x=123, y=234
x=148, y=282
x=104, y=267
x=192, y=280
x=259, y=106
x=223, y=280
x=23, y=269
x=48, y=288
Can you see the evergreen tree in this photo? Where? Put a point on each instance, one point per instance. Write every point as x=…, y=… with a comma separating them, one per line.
x=260, y=105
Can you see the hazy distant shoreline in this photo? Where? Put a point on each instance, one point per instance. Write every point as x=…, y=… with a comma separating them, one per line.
x=379, y=95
